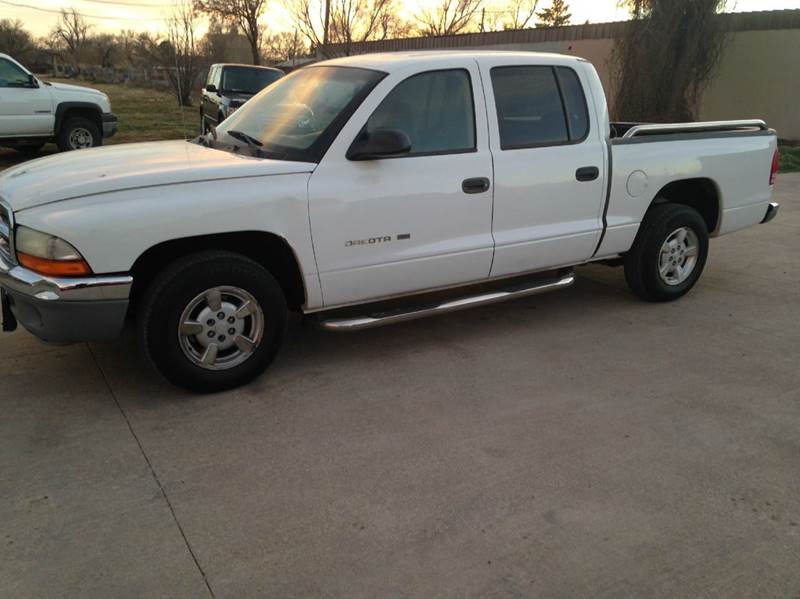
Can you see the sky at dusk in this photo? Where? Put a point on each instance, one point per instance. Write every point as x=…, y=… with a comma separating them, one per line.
x=148, y=15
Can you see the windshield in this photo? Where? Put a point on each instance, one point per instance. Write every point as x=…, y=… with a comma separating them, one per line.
x=297, y=117
x=247, y=80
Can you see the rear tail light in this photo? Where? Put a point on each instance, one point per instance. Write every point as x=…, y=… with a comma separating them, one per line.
x=776, y=165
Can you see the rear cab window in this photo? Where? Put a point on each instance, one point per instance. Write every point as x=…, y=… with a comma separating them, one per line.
x=539, y=106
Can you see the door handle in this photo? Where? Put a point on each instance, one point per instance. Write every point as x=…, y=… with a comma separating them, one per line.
x=475, y=185
x=587, y=173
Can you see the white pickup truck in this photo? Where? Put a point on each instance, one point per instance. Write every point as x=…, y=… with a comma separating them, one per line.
x=34, y=112
x=363, y=191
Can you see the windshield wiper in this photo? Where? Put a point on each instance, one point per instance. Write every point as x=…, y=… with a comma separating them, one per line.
x=252, y=143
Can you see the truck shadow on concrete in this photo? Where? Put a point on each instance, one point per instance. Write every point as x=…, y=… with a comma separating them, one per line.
x=313, y=359
x=9, y=157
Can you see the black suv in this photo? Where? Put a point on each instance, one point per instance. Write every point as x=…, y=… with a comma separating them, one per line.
x=228, y=87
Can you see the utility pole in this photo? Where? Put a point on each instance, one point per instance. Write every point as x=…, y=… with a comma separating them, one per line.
x=327, y=21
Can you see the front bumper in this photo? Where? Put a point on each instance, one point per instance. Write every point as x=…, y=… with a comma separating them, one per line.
x=65, y=309
x=110, y=122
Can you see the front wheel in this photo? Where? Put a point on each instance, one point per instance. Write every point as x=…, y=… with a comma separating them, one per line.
x=78, y=133
x=212, y=321
x=669, y=253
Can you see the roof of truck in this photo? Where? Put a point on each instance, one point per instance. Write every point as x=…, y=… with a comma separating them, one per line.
x=388, y=61
x=249, y=66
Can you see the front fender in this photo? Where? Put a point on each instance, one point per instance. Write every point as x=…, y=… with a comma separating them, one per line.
x=112, y=230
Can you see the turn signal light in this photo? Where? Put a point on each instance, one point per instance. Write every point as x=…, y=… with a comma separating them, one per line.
x=57, y=268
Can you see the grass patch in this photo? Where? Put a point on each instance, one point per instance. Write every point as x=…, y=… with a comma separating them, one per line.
x=144, y=115
x=790, y=159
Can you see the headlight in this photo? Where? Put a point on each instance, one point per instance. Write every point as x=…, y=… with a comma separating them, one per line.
x=48, y=254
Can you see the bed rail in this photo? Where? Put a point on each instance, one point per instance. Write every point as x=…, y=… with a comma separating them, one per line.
x=671, y=128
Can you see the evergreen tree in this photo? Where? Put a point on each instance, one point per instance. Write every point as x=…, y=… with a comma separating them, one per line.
x=557, y=15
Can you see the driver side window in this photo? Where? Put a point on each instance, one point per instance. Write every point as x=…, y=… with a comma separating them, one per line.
x=435, y=109
x=12, y=76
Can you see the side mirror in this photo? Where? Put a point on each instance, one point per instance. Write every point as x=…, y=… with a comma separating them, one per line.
x=381, y=143
x=211, y=88
x=32, y=81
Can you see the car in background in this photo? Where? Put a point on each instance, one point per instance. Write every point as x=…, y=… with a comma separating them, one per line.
x=228, y=86
x=34, y=112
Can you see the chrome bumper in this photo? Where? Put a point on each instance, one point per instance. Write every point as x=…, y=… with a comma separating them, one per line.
x=772, y=211
x=64, y=310
x=20, y=280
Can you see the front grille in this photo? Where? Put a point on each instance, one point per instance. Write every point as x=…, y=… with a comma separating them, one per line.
x=6, y=229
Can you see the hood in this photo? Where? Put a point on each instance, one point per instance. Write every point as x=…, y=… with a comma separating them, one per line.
x=127, y=166
x=238, y=97
x=75, y=89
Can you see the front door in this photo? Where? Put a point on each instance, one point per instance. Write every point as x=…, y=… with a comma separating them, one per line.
x=398, y=225
x=25, y=109
x=549, y=164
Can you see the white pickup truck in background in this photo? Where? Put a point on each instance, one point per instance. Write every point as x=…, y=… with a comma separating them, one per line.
x=34, y=112
x=363, y=191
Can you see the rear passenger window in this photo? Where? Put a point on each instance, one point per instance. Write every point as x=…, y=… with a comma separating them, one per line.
x=574, y=103
x=435, y=109
x=533, y=105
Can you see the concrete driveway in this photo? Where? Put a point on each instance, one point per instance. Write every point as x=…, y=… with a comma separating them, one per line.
x=580, y=444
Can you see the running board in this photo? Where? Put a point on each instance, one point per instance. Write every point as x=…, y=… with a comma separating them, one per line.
x=412, y=312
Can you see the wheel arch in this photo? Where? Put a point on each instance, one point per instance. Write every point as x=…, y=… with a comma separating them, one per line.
x=84, y=109
x=269, y=250
x=700, y=193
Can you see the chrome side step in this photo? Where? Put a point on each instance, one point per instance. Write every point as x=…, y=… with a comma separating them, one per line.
x=377, y=319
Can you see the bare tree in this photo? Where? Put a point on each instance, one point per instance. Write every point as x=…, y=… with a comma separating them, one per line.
x=668, y=55
x=128, y=47
x=520, y=13
x=285, y=46
x=557, y=15
x=350, y=21
x=15, y=40
x=177, y=53
x=449, y=17
x=104, y=48
x=219, y=40
x=71, y=35
x=244, y=14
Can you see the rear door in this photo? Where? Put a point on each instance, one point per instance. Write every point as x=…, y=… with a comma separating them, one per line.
x=548, y=164
x=405, y=224
x=25, y=109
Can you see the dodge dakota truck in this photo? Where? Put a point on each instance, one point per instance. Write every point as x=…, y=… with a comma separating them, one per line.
x=364, y=191
x=34, y=112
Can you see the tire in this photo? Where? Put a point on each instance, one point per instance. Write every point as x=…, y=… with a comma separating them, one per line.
x=177, y=352
x=78, y=133
x=29, y=149
x=669, y=253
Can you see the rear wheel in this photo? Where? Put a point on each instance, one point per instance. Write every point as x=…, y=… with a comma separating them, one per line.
x=78, y=133
x=212, y=321
x=669, y=253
